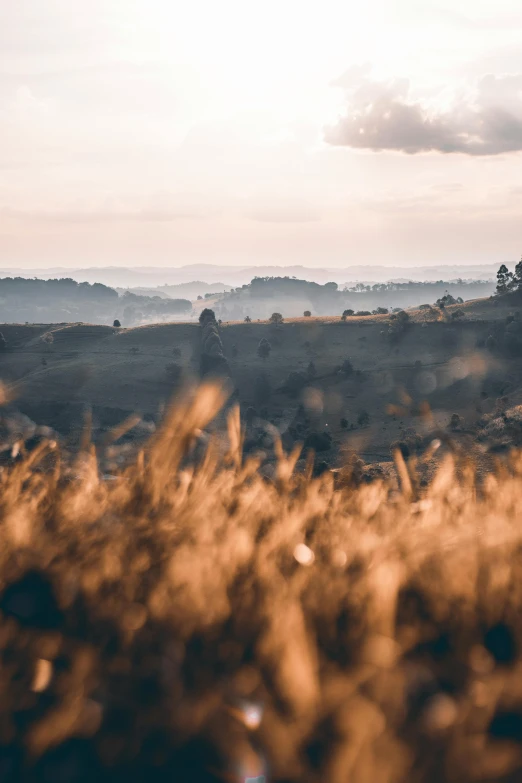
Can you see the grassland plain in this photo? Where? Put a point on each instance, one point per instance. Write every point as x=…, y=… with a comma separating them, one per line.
x=115, y=373
x=196, y=622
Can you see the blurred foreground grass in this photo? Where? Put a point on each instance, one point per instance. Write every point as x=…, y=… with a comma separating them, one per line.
x=192, y=621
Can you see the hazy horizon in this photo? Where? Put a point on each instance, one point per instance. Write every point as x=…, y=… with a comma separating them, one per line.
x=146, y=133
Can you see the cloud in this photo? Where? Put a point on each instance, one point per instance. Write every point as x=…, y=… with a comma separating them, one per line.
x=382, y=116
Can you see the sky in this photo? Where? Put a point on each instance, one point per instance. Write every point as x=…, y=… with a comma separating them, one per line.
x=325, y=132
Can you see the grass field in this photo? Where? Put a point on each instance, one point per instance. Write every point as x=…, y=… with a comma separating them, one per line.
x=115, y=373
x=192, y=621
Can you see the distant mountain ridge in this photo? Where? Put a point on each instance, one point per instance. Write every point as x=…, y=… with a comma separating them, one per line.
x=212, y=274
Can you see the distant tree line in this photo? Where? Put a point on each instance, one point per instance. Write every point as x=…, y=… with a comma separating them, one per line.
x=138, y=308
x=295, y=297
x=65, y=300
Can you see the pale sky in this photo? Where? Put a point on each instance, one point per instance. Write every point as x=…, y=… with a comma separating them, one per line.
x=312, y=132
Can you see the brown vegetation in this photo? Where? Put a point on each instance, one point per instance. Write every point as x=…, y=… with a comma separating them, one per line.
x=192, y=621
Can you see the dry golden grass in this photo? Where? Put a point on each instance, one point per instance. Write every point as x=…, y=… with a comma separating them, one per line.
x=190, y=621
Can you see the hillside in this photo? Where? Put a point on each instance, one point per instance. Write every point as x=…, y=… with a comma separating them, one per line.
x=435, y=370
x=292, y=297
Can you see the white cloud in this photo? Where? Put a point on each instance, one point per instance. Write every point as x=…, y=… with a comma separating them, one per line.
x=382, y=116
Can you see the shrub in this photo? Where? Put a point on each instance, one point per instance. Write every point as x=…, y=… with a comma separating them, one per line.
x=347, y=314
x=363, y=419
x=173, y=372
x=363, y=312
x=264, y=348
x=457, y=314
x=134, y=349
x=248, y=320
x=344, y=424
x=276, y=318
x=346, y=367
x=200, y=297
x=116, y=323
x=455, y=422
x=307, y=313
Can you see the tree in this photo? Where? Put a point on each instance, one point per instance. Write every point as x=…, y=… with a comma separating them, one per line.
x=116, y=323
x=381, y=311
x=263, y=349
x=517, y=277
x=456, y=314
x=200, y=297
x=248, y=320
x=207, y=315
x=346, y=367
x=307, y=313
x=445, y=300
x=346, y=314
x=504, y=280
x=276, y=318
x=363, y=419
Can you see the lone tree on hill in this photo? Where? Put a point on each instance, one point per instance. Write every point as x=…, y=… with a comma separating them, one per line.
x=307, y=313
x=276, y=318
x=504, y=280
x=263, y=349
x=207, y=315
x=116, y=323
x=346, y=314
x=509, y=281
